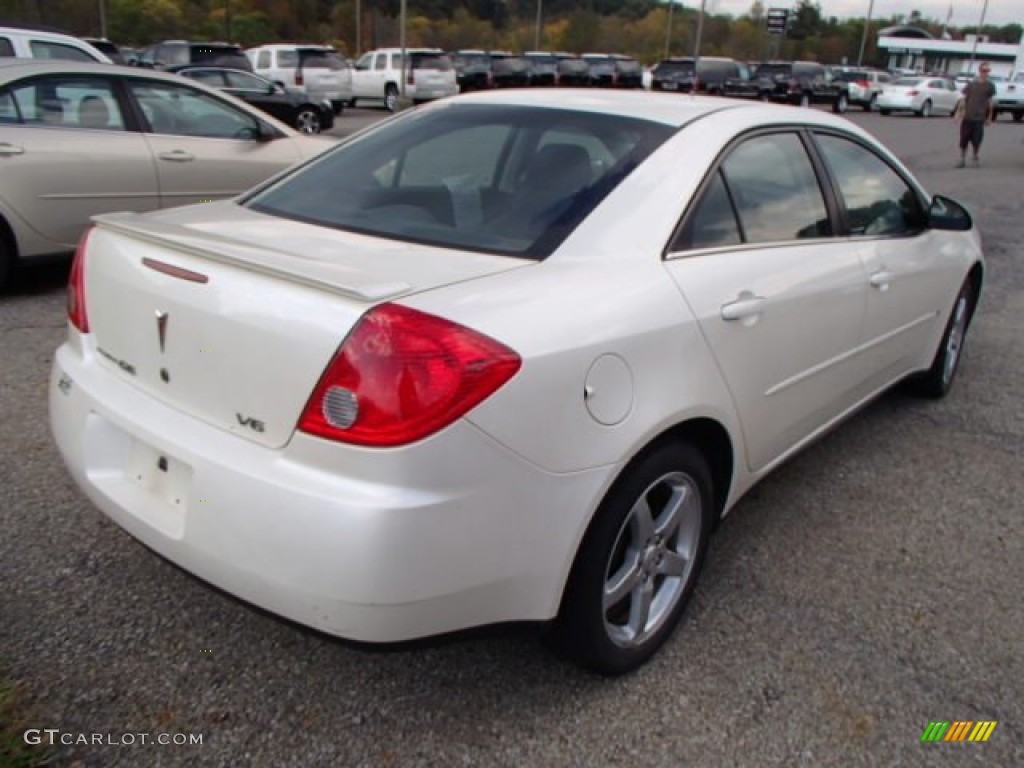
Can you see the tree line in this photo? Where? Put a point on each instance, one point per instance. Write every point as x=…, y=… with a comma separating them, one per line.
x=640, y=28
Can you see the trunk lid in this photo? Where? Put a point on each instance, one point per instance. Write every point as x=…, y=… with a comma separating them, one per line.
x=236, y=329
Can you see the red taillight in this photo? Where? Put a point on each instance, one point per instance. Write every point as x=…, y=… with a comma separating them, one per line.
x=862, y=83
x=76, y=286
x=299, y=78
x=912, y=93
x=409, y=78
x=402, y=375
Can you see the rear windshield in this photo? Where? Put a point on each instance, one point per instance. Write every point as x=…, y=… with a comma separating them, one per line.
x=438, y=61
x=471, y=60
x=510, y=64
x=220, y=57
x=908, y=81
x=320, y=59
x=774, y=70
x=573, y=65
x=674, y=67
x=509, y=180
x=627, y=65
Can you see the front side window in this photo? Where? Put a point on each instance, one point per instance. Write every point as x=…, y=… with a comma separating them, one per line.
x=172, y=56
x=43, y=49
x=6, y=49
x=80, y=102
x=365, y=61
x=498, y=179
x=180, y=110
x=287, y=59
x=877, y=200
x=775, y=190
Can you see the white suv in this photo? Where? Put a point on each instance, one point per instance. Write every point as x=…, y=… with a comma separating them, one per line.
x=378, y=75
x=25, y=43
x=319, y=69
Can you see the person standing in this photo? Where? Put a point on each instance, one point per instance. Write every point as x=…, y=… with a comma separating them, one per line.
x=975, y=112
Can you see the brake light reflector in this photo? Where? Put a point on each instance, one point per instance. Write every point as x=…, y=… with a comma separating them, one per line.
x=401, y=375
x=299, y=77
x=76, y=286
x=912, y=93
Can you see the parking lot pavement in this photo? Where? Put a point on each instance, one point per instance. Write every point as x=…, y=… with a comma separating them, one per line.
x=870, y=586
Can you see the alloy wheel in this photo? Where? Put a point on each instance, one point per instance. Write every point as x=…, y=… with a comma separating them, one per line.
x=652, y=560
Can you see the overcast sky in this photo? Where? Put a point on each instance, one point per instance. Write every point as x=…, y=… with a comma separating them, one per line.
x=965, y=12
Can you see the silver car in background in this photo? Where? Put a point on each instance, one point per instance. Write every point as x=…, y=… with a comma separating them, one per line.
x=81, y=139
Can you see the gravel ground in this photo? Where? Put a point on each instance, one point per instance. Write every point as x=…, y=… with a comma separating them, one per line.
x=870, y=586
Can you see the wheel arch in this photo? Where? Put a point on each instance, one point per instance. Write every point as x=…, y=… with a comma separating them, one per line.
x=976, y=276
x=7, y=236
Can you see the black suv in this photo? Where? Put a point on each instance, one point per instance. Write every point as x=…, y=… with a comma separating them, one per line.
x=680, y=74
x=543, y=67
x=510, y=71
x=801, y=82
x=181, y=53
x=611, y=70
x=472, y=70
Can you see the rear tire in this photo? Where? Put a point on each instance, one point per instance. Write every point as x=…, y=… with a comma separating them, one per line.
x=390, y=97
x=872, y=106
x=842, y=104
x=638, y=563
x=308, y=121
x=926, y=109
x=6, y=263
x=1018, y=116
x=938, y=380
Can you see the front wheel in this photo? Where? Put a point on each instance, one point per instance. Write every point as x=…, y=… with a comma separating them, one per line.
x=938, y=380
x=308, y=121
x=638, y=563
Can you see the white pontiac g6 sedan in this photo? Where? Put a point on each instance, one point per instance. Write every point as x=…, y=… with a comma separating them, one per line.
x=506, y=357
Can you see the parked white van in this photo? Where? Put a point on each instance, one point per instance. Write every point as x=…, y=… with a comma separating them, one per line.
x=319, y=69
x=429, y=75
x=26, y=43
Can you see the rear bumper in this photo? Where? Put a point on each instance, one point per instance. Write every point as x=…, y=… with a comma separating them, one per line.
x=371, y=545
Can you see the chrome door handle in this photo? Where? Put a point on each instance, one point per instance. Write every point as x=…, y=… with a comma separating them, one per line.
x=881, y=279
x=747, y=305
x=10, y=149
x=177, y=156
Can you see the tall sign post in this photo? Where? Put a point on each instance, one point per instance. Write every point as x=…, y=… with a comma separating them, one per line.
x=776, y=21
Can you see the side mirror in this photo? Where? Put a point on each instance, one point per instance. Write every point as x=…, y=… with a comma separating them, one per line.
x=944, y=213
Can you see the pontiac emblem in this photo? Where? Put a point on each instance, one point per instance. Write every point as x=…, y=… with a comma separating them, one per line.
x=161, y=328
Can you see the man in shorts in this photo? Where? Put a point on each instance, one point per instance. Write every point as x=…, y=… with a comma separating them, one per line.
x=975, y=112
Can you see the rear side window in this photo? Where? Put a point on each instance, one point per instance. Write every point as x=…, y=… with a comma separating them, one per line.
x=321, y=60
x=287, y=59
x=8, y=111
x=712, y=223
x=263, y=60
x=514, y=181
x=81, y=102
x=6, y=49
x=775, y=190
x=430, y=61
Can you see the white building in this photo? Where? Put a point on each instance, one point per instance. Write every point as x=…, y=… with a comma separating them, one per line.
x=912, y=48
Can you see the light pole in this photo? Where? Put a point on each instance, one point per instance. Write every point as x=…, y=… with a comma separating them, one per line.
x=359, y=27
x=696, y=45
x=103, y=18
x=540, y=21
x=977, y=36
x=401, y=44
x=864, y=37
x=668, y=28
